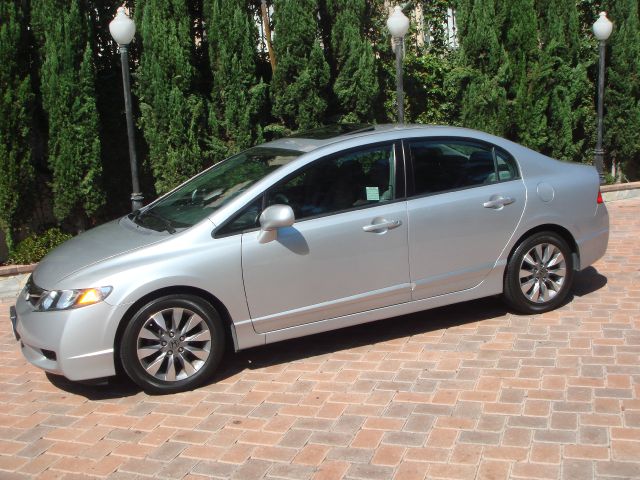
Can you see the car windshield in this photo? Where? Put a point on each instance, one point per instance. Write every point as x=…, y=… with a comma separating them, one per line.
x=213, y=188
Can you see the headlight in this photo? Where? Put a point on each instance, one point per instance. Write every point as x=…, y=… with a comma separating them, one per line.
x=66, y=299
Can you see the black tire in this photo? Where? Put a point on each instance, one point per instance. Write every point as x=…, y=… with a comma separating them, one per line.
x=539, y=274
x=172, y=344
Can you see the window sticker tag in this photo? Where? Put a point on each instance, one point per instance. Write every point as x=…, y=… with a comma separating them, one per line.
x=373, y=193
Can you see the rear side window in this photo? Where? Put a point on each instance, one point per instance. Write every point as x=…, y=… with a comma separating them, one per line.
x=507, y=169
x=444, y=165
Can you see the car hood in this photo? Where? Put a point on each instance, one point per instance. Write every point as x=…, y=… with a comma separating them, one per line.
x=96, y=245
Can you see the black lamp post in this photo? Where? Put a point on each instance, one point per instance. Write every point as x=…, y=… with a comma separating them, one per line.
x=398, y=25
x=122, y=30
x=602, y=29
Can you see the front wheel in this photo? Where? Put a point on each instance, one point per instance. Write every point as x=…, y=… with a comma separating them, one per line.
x=172, y=344
x=539, y=274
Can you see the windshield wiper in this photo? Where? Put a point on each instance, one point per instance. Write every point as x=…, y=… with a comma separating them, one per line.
x=133, y=216
x=139, y=215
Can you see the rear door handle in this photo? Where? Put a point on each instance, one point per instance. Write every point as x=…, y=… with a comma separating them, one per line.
x=498, y=202
x=382, y=225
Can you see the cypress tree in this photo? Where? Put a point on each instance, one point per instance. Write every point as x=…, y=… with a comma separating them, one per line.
x=527, y=106
x=302, y=74
x=356, y=82
x=563, y=82
x=237, y=95
x=482, y=73
x=622, y=91
x=427, y=68
x=16, y=170
x=559, y=28
x=68, y=96
x=173, y=115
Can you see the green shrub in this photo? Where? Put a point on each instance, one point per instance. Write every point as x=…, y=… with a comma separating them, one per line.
x=273, y=131
x=36, y=246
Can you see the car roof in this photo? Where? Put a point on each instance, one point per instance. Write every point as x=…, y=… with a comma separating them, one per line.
x=319, y=137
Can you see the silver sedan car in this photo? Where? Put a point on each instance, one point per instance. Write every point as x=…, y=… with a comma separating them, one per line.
x=337, y=227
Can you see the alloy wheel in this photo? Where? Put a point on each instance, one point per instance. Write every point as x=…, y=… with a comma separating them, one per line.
x=173, y=344
x=542, y=272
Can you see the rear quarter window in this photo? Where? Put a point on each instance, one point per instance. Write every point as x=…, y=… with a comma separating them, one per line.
x=441, y=165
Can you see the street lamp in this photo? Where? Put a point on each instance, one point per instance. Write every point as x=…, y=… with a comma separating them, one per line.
x=602, y=29
x=398, y=25
x=122, y=30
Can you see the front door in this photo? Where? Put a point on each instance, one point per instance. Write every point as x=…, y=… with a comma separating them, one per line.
x=346, y=252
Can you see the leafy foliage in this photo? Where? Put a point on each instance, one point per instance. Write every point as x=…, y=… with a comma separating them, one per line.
x=33, y=248
x=526, y=111
x=173, y=117
x=436, y=16
x=429, y=94
x=68, y=97
x=16, y=97
x=356, y=83
x=622, y=95
x=563, y=83
x=484, y=67
x=525, y=69
x=302, y=75
x=236, y=96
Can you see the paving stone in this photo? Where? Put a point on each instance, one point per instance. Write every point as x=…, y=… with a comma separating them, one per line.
x=354, y=455
x=370, y=472
x=594, y=435
x=178, y=468
x=577, y=469
x=465, y=391
x=408, y=439
x=484, y=438
x=292, y=472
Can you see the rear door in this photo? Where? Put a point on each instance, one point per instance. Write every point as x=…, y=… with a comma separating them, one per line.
x=465, y=201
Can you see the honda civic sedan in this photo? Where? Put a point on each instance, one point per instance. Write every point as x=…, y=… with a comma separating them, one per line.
x=336, y=227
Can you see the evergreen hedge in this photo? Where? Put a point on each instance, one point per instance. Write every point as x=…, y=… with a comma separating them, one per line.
x=203, y=87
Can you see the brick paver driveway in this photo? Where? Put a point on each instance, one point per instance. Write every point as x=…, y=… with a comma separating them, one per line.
x=469, y=391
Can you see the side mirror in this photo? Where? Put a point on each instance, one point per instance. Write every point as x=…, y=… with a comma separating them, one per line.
x=273, y=218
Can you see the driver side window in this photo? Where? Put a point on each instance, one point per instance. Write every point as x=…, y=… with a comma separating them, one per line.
x=340, y=182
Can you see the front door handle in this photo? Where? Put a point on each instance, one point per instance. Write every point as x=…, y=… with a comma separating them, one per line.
x=498, y=202
x=382, y=225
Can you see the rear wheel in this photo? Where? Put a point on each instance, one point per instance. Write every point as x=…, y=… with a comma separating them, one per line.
x=172, y=344
x=539, y=274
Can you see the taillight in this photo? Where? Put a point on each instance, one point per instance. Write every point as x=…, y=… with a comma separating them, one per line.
x=600, y=199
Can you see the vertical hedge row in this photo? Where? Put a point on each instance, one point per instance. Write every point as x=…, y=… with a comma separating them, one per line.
x=622, y=98
x=237, y=94
x=16, y=98
x=299, y=86
x=204, y=88
x=67, y=86
x=173, y=113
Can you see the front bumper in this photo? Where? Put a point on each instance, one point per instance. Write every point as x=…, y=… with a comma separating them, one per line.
x=76, y=343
